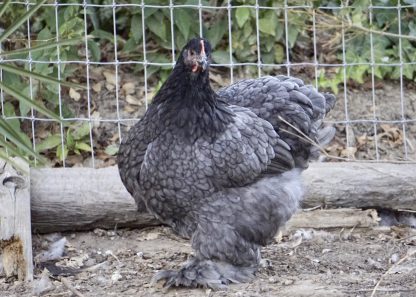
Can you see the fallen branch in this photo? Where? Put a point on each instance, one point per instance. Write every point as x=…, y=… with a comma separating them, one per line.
x=84, y=198
x=358, y=185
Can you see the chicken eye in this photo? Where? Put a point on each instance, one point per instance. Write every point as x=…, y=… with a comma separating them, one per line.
x=192, y=52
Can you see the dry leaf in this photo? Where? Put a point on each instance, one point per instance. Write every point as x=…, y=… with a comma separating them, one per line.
x=76, y=261
x=362, y=140
x=133, y=100
x=349, y=152
x=110, y=87
x=114, y=138
x=129, y=109
x=74, y=94
x=128, y=88
x=110, y=162
x=152, y=235
x=96, y=73
x=101, y=155
x=97, y=87
x=385, y=127
x=392, y=133
x=95, y=116
x=110, y=77
x=74, y=159
x=43, y=133
x=150, y=95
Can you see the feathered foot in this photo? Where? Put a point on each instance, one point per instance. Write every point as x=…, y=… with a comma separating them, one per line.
x=205, y=273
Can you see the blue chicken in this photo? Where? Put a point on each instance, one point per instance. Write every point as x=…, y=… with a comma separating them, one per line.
x=223, y=168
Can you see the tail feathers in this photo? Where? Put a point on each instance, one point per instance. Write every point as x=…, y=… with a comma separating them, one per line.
x=322, y=102
x=295, y=85
x=317, y=100
x=325, y=135
x=330, y=100
x=205, y=273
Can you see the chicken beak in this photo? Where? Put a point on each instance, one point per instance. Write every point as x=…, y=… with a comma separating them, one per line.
x=203, y=62
x=200, y=62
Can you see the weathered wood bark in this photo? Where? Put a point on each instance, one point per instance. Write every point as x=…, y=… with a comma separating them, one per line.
x=361, y=185
x=83, y=198
x=15, y=227
x=334, y=218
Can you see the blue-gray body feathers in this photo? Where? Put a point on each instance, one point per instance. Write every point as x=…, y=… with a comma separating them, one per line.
x=223, y=168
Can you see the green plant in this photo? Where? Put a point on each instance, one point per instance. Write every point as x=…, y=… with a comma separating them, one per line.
x=361, y=49
x=271, y=25
x=354, y=17
x=75, y=140
x=158, y=30
x=15, y=85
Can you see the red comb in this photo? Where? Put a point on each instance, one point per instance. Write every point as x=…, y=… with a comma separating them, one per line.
x=202, y=48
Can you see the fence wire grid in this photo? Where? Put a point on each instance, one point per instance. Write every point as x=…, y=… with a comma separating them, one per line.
x=404, y=120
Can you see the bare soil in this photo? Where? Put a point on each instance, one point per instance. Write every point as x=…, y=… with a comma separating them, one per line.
x=302, y=263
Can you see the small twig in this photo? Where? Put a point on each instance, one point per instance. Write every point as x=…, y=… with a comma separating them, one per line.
x=406, y=210
x=352, y=230
x=347, y=233
x=108, y=252
x=385, y=290
x=305, y=137
x=115, y=228
x=368, y=30
x=406, y=238
x=70, y=287
x=340, y=233
x=312, y=208
x=348, y=24
x=95, y=267
x=411, y=253
x=58, y=294
x=310, y=141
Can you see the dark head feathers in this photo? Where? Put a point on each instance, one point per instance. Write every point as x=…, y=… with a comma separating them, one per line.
x=195, y=44
x=196, y=55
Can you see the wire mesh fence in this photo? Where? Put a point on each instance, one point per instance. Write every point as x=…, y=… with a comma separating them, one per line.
x=375, y=117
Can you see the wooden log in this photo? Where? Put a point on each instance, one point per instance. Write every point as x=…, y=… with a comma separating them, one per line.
x=334, y=218
x=65, y=199
x=361, y=185
x=84, y=198
x=15, y=228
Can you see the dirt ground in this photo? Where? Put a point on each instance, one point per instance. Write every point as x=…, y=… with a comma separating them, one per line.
x=302, y=263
